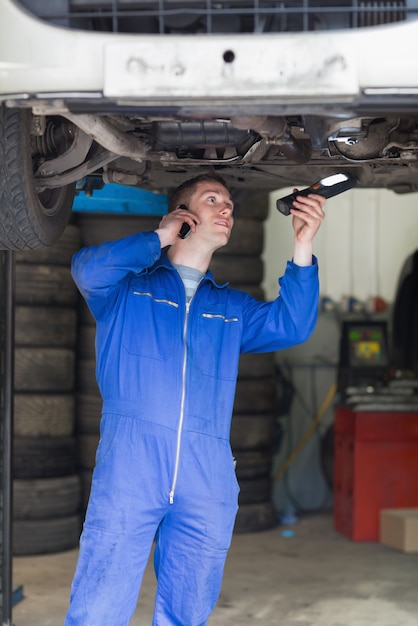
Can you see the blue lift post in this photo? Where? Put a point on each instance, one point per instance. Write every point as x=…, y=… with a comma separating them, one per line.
x=6, y=428
x=114, y=198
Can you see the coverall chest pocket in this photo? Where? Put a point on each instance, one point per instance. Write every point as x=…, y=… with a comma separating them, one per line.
x=150, y=325
x=218, y=344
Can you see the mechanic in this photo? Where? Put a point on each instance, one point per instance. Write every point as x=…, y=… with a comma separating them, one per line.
x=168, y=340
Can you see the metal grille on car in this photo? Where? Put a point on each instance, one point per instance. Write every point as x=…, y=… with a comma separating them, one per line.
x=220, y=16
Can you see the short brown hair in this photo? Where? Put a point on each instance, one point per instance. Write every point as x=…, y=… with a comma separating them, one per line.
x=184, y=192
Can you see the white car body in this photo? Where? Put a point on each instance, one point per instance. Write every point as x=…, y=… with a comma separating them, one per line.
x=267, y=108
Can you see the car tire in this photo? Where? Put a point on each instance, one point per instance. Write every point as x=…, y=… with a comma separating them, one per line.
x=255, y=517
x=43, y=457
x=255, y=490
x=45, y=284
x=44, y=369
x=45, y=326
x=44, y=414
x=29, y=219
x=46, y=485
x=46, y=498
x=60, y=254
x=46, y=536
x=253, y=431
x=255, y=395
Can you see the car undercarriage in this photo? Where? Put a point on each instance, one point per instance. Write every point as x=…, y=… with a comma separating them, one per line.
x=145, y=94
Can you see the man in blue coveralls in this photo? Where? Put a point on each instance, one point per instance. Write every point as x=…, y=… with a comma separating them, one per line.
x=168, y=341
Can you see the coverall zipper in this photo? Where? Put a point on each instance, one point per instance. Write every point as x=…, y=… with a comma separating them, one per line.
x=183, y=397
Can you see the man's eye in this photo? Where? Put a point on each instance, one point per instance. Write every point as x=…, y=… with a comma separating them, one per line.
x=211, y=199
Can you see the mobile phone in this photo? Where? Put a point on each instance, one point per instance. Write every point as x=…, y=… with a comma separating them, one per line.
x=185, y=230
x=326, y=187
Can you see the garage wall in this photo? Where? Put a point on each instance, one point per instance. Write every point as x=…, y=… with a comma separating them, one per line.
x=361, y=246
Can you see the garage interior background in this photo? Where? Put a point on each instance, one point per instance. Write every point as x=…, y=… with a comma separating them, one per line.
x=362, y=246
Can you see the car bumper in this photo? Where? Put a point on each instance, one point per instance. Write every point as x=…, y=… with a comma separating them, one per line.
x=50, y=68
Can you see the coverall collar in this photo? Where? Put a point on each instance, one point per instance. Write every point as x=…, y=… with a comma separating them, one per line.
x=164, y=261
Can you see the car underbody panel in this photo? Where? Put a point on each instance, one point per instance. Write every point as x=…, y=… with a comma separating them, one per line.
x=255, y=152
x=269, y=95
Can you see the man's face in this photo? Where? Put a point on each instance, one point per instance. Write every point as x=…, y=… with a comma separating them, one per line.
x=213, y=204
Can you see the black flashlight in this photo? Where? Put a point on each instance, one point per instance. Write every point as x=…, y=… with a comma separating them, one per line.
x=326, y=187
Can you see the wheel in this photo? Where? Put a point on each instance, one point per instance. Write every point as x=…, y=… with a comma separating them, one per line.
x=253, y=432
x=255, y=517
x=255, y=395
x=45, y=326
x=45, y=498
x=89, y=413
x=237, y=269
x=60, y=253
x=46, y=536
x=96, y=229
x=44, y=415
x=253, y=464
x=255, y=490
x=45, y=284
x=44, y=457
x=87, y=446
x=44, y=369
x=30, y=218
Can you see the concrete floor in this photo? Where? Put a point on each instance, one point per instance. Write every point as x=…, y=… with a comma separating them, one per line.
x=315, y=578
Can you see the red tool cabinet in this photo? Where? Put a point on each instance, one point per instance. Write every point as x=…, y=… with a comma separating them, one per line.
x=375, y=467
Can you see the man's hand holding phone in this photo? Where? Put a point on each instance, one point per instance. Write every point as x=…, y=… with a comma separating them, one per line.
x=186, y=229
x=177, y=223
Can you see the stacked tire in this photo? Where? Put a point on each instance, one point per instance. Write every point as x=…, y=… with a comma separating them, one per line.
x=253, y=429
x=253, y=424
x=88, y=401
x=95, y=228
x=253, y=441
x=46, y=484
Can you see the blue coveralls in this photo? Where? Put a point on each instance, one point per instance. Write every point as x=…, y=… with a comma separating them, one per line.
x=164, y=468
